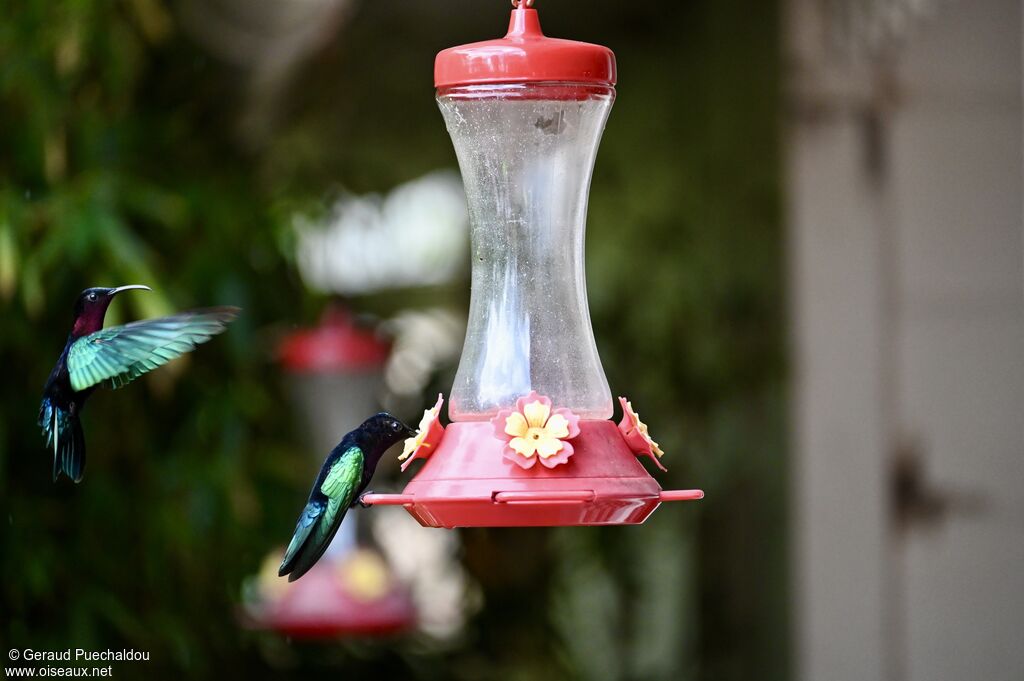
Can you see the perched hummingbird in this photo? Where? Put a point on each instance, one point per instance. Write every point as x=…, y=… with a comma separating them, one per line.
x=93, y=355
x=338, y=487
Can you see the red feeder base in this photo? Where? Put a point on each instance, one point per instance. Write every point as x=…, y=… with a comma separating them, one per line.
x=324, y=605
x=468, y=482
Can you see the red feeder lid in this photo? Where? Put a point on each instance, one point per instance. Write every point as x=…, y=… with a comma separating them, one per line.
x=524, y=55
x=337, y=345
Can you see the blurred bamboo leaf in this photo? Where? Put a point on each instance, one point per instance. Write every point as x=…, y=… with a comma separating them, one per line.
x=8, y=261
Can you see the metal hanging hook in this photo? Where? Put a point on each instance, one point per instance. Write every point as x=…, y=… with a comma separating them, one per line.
x=516, y=3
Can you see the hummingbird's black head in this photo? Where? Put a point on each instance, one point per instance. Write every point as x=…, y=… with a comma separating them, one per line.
x=381, y=431
x=91, y=307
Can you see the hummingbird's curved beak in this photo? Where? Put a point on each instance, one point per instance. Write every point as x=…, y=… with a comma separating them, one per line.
x=115, y=291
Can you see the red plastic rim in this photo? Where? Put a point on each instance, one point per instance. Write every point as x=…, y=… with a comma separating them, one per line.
x=507, y=497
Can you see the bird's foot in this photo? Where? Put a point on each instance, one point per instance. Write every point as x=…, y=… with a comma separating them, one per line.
x=363, y=503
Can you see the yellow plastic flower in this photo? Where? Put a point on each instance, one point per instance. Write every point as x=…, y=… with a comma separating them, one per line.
x=536, y=432
x=427, y=436
x=634, y=432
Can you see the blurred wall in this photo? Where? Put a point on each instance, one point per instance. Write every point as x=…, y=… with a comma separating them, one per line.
x=906, y=279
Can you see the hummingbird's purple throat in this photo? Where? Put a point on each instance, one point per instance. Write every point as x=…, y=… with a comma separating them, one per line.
x=91, y=319
x=93, y=308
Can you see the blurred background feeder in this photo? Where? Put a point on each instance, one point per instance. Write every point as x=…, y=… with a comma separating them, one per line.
x=336, y=376
x=355, y=594
x=525, y=114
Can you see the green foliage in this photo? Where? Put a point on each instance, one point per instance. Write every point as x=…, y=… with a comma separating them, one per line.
x=114, y=170
x=119, y=163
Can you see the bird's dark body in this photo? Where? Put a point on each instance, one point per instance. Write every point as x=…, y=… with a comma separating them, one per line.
x=60, y=397
x=317, y=524
x=58, y=386
x=319, y=500
x=115, y=356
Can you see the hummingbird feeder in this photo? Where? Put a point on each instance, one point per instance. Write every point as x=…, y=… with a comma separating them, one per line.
x=530, y=442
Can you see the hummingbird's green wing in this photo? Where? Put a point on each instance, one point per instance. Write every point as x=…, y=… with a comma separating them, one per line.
x=340, y=489
x=343, y=478
x=323, y=514
x=123, y=353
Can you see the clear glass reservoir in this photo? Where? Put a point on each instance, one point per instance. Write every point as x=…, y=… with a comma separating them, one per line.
x=526, y=153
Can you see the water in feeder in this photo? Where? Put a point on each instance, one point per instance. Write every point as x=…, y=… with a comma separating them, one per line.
x=526, y=153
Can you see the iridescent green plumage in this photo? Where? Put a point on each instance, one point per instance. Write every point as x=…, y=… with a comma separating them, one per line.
x=342, y=479
x=121, y=354
x=93, y=355
x=323, y=514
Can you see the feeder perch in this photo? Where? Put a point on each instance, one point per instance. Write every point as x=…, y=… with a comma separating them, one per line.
x=530, y=442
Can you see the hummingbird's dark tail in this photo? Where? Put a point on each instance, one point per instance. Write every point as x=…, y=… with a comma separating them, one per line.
x=63, y=433
x=316, y=528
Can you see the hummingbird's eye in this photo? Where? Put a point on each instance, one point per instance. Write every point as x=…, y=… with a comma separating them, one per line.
x=396, y=426
x=92, y=297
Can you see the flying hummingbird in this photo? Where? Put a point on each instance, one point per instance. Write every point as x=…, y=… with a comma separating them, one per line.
x=339, y=486
x=115, y=356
